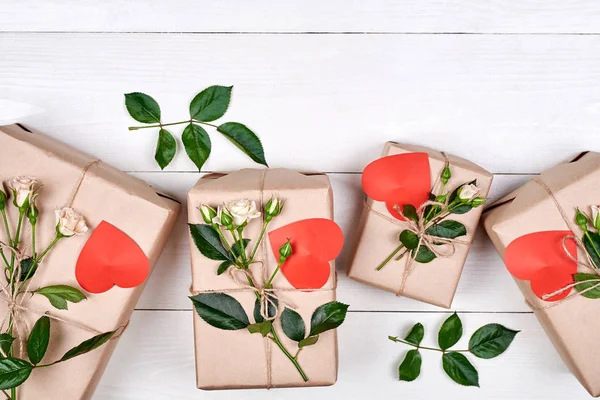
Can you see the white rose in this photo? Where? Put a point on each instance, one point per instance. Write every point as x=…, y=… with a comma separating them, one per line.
x=595, y=215
x=468, y=192
x=208, y=213
x=23, y=188
x=69, y=222
x=242, y=211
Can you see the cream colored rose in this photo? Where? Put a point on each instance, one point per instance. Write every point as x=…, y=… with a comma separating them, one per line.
x=69, y=222
x=242, y=211
x=23, y=188
x=468, y=192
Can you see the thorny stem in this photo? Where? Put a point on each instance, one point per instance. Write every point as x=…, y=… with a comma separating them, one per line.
x=33, y=255
x=388, y=258
x=189, y=121
x=293, y=359
x=395, y=339
x=401, y=255
x=6, y=226
x=270, y=281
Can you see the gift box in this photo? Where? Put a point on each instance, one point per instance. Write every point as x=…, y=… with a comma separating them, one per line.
x=536, y=229
x=133, y=216
x=407, y=174
x=235, y=359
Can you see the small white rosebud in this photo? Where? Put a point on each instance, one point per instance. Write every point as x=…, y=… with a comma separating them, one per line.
x=242, y=211
x=208, y=213
x=596, y=217
x=69, y=222
x=478, y=201
x=285, y=251
x=223, y=217
x=273, y=208
x=2, y=198
x=468, y=192
x=23, y=188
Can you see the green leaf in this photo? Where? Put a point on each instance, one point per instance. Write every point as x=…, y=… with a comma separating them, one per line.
x=37, y=344
x=142, y=108
x=211, y=103
x=261, y=327
x=272, y=309
x=415, y=336
x=410, y=212
x=593, y=247
x=447, y=229
x=165, y=148
x=328, y=316
x=197, y=144
x=450, y=332
x=236, y=248
x=409, y=239
x=460, y=369
x=309, y=341
x=59, y=295
x=221, y=311
x=224, y=266
x=411, y=366
x=6, y=342
x=491, y=340
x=245, y=140
x=88, y=345
x=424, y=255
x=208, y=242
x=13, y=372
x=590, y=294
x=27, y=265
x=293, y=325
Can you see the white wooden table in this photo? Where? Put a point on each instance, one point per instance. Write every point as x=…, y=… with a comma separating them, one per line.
x=512, y=85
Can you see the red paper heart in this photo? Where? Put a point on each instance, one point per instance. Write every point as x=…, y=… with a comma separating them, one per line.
x=109, y=258
x=314, y=242
x=540, y=258
x=398, y=180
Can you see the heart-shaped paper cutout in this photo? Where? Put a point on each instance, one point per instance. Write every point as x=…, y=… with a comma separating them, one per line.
x=315, y=242
x=398, y=180
x=109, y=258
x=541, y=258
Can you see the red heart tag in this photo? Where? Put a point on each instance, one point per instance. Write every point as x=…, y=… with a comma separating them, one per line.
x=314, y=242
x=398, y=180
x=109, y=258
x=540, y=258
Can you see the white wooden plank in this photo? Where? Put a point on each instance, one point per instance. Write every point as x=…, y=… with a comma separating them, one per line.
x=528, y=16
x=155, y=360
x=319, y=102
x=485, y=284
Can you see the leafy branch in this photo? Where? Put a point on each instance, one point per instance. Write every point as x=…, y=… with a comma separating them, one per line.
x=487, y=342
x=207, y=106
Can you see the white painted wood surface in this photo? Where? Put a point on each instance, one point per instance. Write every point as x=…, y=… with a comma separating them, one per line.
x=517, y=94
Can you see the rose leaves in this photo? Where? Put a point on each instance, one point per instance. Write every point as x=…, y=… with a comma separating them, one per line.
x=207, y=106
x=487, y=342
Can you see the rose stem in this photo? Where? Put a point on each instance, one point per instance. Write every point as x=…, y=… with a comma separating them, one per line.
x=387, y=260
x=275, y=339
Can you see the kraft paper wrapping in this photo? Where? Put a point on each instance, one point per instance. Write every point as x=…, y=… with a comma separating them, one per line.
x=237, y=359
x=105, y=194
x=434, y=282
x=573, y=325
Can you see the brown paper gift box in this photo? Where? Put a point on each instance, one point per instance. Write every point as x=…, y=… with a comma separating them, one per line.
x=237, y=359
x=434, y=282
x=105, y=194
x=573, y=326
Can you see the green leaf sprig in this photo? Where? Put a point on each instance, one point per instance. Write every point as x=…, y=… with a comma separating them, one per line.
x=207, y=106
x=487, y=342
x=586, y=283
x=433, y=217
x=19, y=269
x=225, y=312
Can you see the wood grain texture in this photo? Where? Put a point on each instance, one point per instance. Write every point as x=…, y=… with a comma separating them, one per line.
x=485, y=284
x=510, y=103
x=474, y=16
x=155, y=360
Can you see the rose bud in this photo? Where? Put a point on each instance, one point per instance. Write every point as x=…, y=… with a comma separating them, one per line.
x=32, y=213
x=23, y=188
x=581, y=220
x=223, y=218
x=446, y=174
x=2, y=198
x=478, y=201
x=285, y=251
x=69, y=222
x=468, y=192
x=273, y=208
x=208, y=213
x=596, y=217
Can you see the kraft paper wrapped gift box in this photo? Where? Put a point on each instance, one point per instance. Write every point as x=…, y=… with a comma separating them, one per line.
x=100, y=193
x=237, y=359
x=572, y=325
x=436, y=281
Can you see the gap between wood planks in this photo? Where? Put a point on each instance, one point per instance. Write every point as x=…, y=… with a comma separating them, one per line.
x=306, y=33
